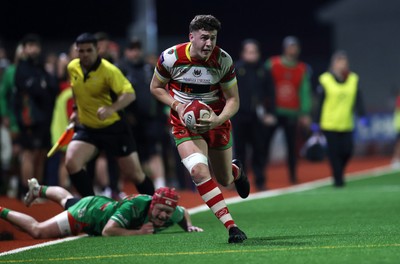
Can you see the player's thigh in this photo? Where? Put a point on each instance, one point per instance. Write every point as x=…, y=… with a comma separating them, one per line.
x=130, y=166
x=189, y=147
x=79, y=153
x=57, y=226
x=221, y=162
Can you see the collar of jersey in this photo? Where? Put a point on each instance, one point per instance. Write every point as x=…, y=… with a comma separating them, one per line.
x=93, y=68
x=187, y=52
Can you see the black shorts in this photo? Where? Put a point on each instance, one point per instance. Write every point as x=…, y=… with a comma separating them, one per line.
x=149, y=134
x=116, y=139
x=70, y=202
x=35, y=137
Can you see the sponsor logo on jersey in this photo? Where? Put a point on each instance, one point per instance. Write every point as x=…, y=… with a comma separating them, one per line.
x=197, y=72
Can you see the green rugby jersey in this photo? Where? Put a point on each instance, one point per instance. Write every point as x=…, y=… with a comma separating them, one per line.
x=92, y=213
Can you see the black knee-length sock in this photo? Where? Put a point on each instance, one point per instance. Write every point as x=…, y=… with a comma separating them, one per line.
x=146, y=187
x=82, y=182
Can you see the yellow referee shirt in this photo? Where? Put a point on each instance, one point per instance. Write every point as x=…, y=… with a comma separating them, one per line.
x=99, y=87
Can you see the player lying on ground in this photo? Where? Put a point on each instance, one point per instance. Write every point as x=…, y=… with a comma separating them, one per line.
x=99, y=215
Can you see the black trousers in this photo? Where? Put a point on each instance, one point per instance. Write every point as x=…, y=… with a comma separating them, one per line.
x=340, y=150
x=249, y=135
x=289, y=126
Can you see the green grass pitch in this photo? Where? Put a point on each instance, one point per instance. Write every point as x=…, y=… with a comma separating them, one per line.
x=356, y=224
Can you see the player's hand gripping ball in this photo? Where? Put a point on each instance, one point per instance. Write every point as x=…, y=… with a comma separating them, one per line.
x=193, y=111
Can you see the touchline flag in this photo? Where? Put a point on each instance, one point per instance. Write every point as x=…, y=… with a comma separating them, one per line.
x=64, y=139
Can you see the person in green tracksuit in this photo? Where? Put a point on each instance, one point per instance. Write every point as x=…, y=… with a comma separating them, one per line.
x=102, y=216
x=339, y=100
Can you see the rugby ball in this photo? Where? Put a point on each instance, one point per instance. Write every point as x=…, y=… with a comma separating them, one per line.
x=193, y=111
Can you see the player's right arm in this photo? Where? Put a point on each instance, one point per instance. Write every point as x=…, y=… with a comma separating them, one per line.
x=112, y=228
x=157, y=88
x=158, y=83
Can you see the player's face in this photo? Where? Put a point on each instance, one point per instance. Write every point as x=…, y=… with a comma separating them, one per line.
x=32, y=50
x=161, y=213
x=341, y=64
x=203, y=43
x=250, y=53
x=292, y=51
x=87, y=53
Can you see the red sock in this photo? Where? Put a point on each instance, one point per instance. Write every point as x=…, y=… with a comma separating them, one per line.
x=235, y=171
x=212, y=196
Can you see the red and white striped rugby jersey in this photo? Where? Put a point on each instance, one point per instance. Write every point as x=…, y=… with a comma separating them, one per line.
x=190, y=78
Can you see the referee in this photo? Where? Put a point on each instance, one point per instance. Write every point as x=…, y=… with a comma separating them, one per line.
x=101, y=92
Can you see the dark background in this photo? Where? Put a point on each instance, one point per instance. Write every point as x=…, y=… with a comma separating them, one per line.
x=267, y=21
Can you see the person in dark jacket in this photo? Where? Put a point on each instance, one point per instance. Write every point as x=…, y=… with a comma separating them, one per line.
x=145, y=115
x=33, y=103
x=256, y=107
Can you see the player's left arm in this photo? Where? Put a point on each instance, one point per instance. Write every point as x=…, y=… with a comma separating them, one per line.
x=125, y=92
x=232, y=104
x=122, y=101
x=231, y=95
x=186, y=223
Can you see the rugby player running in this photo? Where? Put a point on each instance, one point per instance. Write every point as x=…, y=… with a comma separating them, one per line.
x=201, y=70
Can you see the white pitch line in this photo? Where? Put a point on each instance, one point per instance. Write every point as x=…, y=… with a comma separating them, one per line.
x=49, y=243
x=375, y=172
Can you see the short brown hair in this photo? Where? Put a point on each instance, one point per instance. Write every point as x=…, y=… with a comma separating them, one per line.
x=205, y=22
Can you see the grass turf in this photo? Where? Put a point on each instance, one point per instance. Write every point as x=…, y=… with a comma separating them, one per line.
x=355, y=224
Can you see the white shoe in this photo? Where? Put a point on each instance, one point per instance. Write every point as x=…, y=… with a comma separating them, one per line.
x=33, y=192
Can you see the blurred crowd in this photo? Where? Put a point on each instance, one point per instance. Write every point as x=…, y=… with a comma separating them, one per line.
x=36, y=101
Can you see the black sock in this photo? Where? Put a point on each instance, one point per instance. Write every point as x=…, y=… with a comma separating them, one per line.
x=81, y=181
x=146, y=187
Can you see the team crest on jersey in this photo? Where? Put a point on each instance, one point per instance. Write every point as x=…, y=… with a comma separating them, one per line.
x=171, y=51
x=197, y=73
